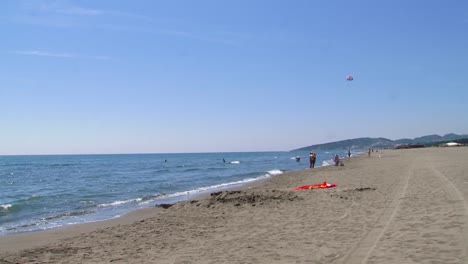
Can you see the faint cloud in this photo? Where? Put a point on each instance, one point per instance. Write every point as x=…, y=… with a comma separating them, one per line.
x=67, y=8
x=40, y=53
x=175, y=33
x=56, y=22
x=82, y=11
x=76, y=10
x=66, y=14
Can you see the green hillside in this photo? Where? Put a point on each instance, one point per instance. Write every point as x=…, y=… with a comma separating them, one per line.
x=367, y=142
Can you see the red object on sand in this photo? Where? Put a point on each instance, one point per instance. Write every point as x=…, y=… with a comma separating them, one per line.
x=323, y=185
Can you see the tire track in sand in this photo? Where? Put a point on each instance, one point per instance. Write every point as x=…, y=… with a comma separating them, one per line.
x=460, y=205
x=364, y=248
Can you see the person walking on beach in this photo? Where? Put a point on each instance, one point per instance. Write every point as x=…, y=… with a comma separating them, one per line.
x=368, y=152
x=349, y=154
x=312, y=158
x=336, y=159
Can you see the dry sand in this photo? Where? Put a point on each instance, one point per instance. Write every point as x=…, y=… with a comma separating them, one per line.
x=406, y=206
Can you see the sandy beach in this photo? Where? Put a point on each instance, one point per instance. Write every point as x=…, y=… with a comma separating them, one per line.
x=398, y=206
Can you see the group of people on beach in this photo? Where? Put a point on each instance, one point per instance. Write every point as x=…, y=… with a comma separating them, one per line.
x=336, y=159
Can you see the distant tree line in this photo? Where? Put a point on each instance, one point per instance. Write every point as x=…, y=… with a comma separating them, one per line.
x=406, y=146
x=463, y=141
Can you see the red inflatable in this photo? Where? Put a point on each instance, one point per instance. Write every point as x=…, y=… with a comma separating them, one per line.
x=323, y=185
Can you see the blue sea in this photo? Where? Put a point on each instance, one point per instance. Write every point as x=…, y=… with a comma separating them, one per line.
x=43, y=192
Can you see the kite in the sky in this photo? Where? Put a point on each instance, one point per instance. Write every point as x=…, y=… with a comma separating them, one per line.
x=349, y=78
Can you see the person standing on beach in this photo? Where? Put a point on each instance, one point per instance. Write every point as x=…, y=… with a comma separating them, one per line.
x=349, y=154
x=368, y=152
x=336, y=159
x=312, y=158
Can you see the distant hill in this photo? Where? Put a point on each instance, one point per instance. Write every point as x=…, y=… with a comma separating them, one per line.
x=366, y=142
x=429, y=138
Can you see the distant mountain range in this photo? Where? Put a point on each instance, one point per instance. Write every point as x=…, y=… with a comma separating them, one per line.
x=366, y=142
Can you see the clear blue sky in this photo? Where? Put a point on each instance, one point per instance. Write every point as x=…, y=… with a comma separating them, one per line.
x=199, y=76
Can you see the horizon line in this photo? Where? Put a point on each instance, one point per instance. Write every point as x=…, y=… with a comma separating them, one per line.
x=137, y=153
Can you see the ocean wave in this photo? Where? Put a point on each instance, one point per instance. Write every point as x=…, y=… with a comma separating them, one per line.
x=117, y=203
x=5, y=207
x=161, y=171
x=274, y=172
x=18, y=164
x=215, y=169
x=235, y=162
x=31, y=198
x=60, y=164
x=76, y=213
x=192, y=169
x=141, y=200
x=216, y=186
x=21, y=226
x=150, y=197
x=87, y=204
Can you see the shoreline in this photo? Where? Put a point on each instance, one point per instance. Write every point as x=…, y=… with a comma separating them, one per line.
x=19, y=241
x=393, y=209
x=174, y=198
x=78, y=210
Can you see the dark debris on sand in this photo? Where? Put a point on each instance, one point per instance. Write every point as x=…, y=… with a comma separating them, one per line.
x=351, y=193
x=253, y=198
x=241, y=198
x=164, y=206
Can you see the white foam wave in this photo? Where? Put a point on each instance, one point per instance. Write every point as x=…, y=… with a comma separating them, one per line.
x=235, y=162
x=142, y=201
x=274, y=172
x=215, y=187
x=116, y=203
x=5, y=206
x=327, y=163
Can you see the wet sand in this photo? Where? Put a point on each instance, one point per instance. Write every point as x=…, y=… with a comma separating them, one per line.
x=399, y=206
